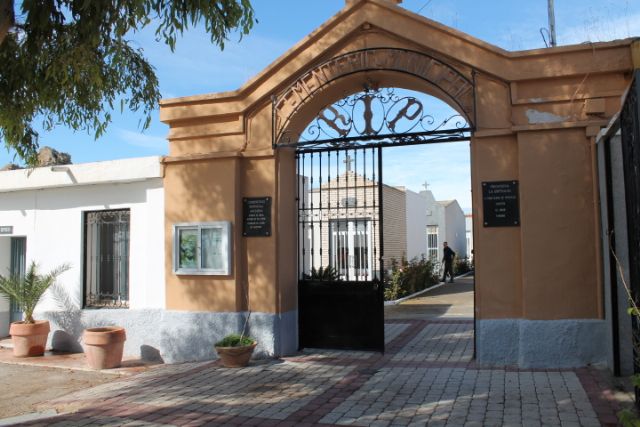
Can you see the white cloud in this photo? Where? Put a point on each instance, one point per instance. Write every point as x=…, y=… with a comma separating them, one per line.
x=139, y=139
x=597, y=27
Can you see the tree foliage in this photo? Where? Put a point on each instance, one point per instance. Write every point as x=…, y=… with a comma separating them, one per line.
x=68, y=62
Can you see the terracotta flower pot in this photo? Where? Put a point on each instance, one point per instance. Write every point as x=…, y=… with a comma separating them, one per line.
x=104, y=346
x=29, y=339
x=236, y=357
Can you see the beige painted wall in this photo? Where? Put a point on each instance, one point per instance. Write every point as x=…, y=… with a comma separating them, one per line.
x=212, y=190
x=202, y=191
x=536, y=112
x=560, y=277
x=497, y=251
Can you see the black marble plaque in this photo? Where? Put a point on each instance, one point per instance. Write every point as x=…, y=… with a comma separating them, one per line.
x=500, y=204
x=6, y=229
x=256, y=216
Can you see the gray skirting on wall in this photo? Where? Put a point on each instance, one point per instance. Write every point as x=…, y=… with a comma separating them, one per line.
x=179, y=336
x=175, y=336
x=566, y=343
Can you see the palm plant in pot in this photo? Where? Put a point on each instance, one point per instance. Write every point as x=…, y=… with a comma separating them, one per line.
x=29, y=336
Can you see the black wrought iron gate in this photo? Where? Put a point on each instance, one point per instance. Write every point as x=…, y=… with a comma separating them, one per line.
x=630, y=135
x=341, y=295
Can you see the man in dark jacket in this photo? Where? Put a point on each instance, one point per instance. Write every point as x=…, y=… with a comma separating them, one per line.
x=447, y=259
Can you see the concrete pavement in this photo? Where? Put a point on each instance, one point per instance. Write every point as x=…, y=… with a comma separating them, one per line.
x=450, y=300
x=426, y=377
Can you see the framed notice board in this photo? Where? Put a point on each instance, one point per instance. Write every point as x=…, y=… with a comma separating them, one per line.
x=501, y=204
x=256, y=216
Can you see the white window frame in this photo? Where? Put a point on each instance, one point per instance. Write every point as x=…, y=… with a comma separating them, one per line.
x=225, y=226
x=435, y=232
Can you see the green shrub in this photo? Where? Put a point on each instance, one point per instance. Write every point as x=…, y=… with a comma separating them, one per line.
x=393, y=284
x=408, y=277
x=327, y=273
x=462, y=266
x=235, y=340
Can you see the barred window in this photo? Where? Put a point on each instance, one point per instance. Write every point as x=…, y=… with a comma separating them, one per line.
x=106, y=258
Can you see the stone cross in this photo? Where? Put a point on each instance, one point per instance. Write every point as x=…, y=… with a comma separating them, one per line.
x=347, y=161
x=426, y=185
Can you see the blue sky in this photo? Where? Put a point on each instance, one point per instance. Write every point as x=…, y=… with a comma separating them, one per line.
x=196, y=67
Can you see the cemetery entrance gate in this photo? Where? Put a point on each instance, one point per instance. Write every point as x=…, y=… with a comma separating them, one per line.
x=342, y=268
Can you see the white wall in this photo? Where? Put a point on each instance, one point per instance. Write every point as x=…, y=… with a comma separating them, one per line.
x=416, y=225
x=52, y=221
x=456, y=234
x=469, y=228
x=5, y=260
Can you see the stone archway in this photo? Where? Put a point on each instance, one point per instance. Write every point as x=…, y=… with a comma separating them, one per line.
x=370, y=118
x=535, y=116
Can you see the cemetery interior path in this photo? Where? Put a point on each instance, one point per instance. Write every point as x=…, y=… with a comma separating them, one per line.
x=427, y=376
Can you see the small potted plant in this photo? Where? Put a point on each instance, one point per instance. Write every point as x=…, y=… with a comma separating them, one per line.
x=29, y=336
x=235, y=350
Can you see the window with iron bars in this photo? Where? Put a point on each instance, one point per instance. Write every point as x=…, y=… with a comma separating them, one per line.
x=106, y=258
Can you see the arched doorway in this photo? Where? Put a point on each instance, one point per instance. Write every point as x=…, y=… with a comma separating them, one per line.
x=343, y=221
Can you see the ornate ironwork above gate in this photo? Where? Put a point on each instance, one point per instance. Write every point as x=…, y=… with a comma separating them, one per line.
x=375, y=115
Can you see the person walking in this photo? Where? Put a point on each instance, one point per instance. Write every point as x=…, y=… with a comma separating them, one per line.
x=447, y=259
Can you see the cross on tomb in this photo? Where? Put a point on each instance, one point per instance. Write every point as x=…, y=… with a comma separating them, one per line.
x=347, y=161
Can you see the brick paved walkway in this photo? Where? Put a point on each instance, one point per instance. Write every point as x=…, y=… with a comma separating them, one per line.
x=426, y=377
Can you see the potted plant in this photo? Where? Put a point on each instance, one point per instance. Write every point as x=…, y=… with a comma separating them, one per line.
x=104, y=346
x=29, y=336
x=235, y=350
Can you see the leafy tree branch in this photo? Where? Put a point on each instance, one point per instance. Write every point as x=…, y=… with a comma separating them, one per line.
x=68, y=62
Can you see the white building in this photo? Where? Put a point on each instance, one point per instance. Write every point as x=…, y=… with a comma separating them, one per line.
x=106, y=220
x=445, y=223
x=468, y=218
x=343, y=228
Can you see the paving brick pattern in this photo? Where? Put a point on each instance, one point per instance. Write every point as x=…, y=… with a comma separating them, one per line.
x=392, y=330
x=425, y=377
x=318, y=354
x=457, y=397
x=441, y=342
